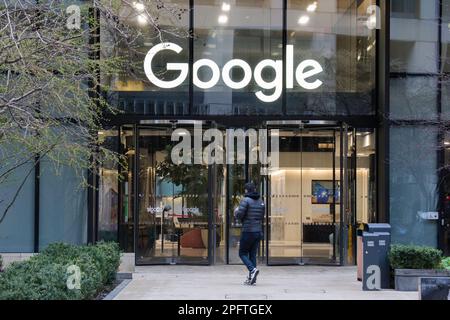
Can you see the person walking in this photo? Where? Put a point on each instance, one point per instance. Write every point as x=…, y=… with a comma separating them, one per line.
x=250, y=212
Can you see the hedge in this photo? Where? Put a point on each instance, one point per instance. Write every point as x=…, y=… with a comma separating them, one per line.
x=45, y=276
x=414, y=257
x=446, y=263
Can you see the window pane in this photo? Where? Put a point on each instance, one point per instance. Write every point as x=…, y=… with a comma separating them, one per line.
x=250, y=31
x=413, y=97
x=63, y=205
x=414, y=58
x=445, y=54
x=108, y=204
x=365, y=176
x=336, y=34
x=413, y=184
x=153, y=25
x=17, y=229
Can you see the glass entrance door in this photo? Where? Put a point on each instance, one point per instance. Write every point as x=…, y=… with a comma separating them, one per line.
x=305, y=195
x=173, y=200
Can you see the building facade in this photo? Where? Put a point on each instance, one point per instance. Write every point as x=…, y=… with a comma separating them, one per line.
x=350, y=96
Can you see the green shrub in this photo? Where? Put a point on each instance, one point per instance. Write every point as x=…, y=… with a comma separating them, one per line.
x=414, y=257
x=1, y=263
x=446, y=263
x=44, y=276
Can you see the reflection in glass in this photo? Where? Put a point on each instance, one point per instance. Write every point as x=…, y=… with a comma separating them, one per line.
x=249, y=31
x=132, y=87
x=413, y=184
x=413, y=59
x=173, y=204
x=336, y=34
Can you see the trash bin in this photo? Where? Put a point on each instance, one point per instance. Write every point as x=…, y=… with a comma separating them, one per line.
x=376, y=239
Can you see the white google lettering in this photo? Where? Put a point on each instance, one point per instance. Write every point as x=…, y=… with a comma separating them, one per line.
x=215, y=73
x=183, y=67
x=303, y=74
x=241, y=64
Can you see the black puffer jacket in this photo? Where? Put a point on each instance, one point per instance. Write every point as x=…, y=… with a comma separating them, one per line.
x=251, y=212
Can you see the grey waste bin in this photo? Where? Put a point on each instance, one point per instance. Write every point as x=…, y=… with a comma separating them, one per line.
x=376, y=242
x=378, y=227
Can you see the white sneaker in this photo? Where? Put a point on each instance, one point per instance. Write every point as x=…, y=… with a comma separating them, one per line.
x=253, y=276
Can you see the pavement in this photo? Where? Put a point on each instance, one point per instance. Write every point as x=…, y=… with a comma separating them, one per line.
x=274, y=283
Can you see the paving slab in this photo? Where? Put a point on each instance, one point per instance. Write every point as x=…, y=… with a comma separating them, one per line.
x=274, y=283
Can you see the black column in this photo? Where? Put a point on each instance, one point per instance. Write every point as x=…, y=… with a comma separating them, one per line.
x=37, y=184
x=383, y=95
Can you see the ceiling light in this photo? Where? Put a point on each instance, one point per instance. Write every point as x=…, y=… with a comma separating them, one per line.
x=226, y=6
x=138, y=6
x=223, y=19
x=142, y=19
x=312, y=7
x=303, y=20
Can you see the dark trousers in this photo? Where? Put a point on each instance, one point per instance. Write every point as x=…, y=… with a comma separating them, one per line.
x=248, y=248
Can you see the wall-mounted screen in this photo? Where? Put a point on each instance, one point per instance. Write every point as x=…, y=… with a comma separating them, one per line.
x=322, y=191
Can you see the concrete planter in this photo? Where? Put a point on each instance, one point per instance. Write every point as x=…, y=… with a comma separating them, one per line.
x=408, y=279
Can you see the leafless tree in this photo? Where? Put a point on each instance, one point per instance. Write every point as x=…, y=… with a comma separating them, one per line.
x=52, y=89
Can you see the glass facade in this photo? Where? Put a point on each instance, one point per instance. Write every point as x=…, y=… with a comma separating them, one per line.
x=418, y=112
x=310, y=74
x=17, y=228
x=63, y=205
x=252, y=58
x=413, y=184
x=337, y=37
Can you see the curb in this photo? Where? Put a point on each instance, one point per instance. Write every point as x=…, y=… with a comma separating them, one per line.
x=117, y=289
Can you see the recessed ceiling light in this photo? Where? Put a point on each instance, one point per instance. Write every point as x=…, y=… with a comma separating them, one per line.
x=142, y=19
x=303, y=20
x=312, y=7
x=226, y=6
x=223, y=19
x=138, y=6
